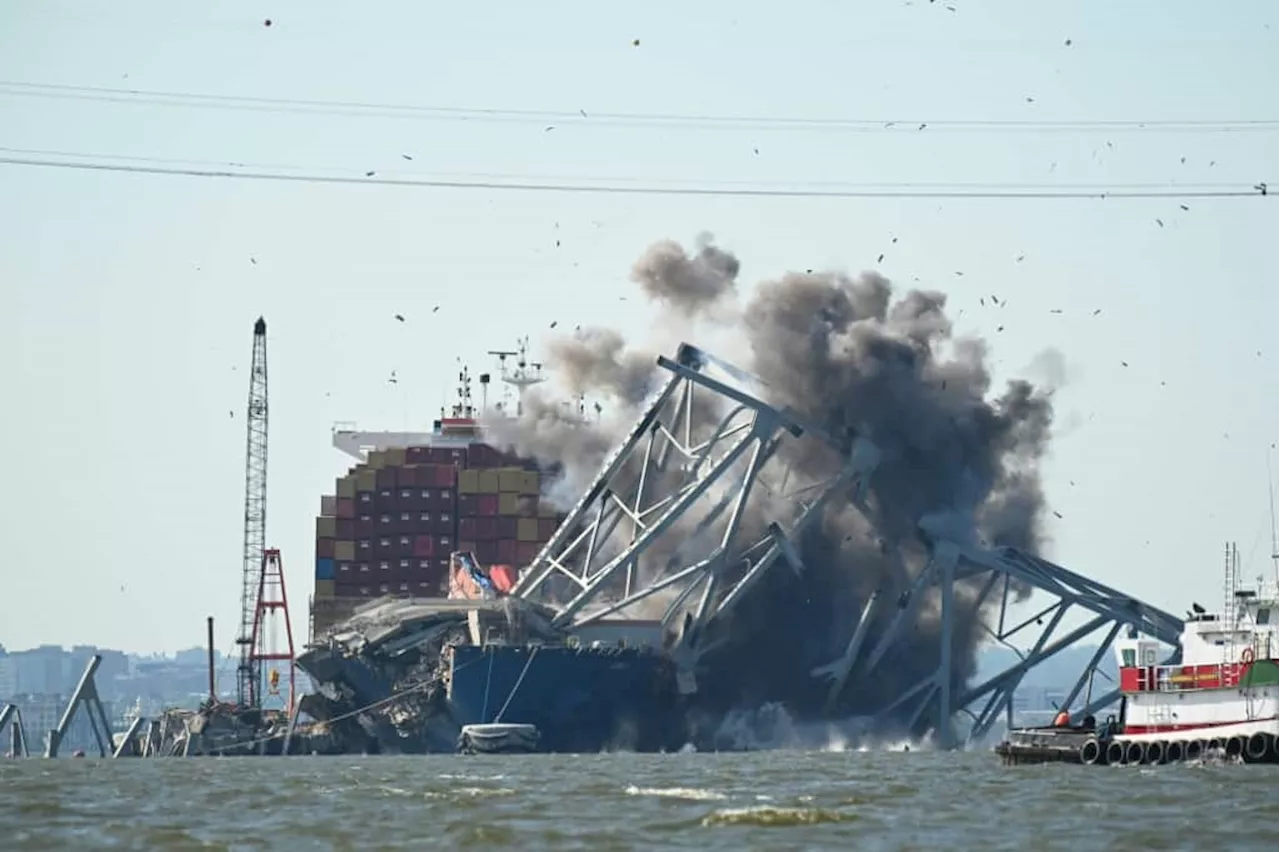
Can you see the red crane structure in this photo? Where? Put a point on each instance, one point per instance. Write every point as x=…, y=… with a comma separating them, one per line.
x=262, y=599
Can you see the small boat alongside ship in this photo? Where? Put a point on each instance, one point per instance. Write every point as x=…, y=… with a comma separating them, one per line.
x=1218, y=699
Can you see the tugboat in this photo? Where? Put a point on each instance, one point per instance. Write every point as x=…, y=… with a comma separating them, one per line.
x=1219, y=700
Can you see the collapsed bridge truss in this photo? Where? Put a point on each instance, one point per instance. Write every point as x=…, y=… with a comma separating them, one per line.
x=664, y=527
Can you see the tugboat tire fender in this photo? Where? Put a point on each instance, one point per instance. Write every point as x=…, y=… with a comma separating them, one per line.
x=1235, y=746
x=1135, y=753
x=1173, y=752
x=1090, y=752
x=1155, y=753
x=1257, y=746
x=1115, y=752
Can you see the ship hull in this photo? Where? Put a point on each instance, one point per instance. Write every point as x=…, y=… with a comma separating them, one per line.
x=580, y=699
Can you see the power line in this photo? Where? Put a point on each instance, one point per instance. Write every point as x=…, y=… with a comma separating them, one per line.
x=500, y=177
x=581, y=118
x=533, y=185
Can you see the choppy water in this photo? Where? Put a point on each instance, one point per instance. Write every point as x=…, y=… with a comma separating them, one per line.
x=759, y=801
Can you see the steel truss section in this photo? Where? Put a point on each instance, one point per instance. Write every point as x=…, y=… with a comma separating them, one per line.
x=666, y=512
x=10, y=715
x=1012, y=572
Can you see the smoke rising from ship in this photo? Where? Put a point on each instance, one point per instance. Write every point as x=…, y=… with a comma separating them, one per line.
x=847, y=354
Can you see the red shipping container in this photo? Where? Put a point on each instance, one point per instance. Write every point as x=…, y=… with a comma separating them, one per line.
x=346, y=529
x=504, y=577
x=506, y=551
x=365, y=526
x=386, y=477
x=486, y=552
x=423, y=545
x=467, y=505
x=445, y=476
x=486, y=528
x=415, y=455
x=346, y=507
x=526, y=551
x=467, y=529
x=324, y=548
x=507, y=527
x=438, y=455
x=546, y=528
x=486, y=504
x=406, y=476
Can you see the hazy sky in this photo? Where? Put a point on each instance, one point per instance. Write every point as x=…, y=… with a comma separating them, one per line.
x=129, y=299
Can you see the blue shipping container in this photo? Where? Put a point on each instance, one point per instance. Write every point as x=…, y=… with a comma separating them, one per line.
x=324, y=569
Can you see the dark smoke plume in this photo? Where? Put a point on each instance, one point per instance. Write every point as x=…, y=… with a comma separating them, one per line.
x=847, y=354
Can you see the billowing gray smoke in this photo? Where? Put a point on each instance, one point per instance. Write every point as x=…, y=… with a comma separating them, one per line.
x=847, y=354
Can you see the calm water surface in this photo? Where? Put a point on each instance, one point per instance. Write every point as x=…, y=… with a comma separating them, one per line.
x=764, y=800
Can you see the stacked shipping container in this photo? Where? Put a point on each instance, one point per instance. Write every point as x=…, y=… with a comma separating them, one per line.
x=394, y=520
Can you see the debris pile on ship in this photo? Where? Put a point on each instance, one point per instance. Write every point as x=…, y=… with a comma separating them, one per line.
x=862, y=434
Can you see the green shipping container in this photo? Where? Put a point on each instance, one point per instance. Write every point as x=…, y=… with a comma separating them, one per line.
x=527, y=529
x=326, y=527
x=346, y=487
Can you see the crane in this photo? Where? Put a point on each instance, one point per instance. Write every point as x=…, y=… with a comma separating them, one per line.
x=249, y=672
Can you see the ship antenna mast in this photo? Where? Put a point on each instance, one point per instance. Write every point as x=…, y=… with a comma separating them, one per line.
x=503, y=355
x=1275, y=544
x=463, y=408
x=249, y=672
x=526, y=374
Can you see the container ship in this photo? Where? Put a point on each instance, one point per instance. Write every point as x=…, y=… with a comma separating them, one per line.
x=1218, y=699
x=413, y=637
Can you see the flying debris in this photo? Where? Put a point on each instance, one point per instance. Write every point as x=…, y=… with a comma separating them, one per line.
x=400, y=317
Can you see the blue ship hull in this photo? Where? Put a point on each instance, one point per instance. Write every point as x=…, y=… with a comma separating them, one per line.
x=581, y=700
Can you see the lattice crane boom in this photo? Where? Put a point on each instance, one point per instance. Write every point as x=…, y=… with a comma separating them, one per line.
x=249, y=672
